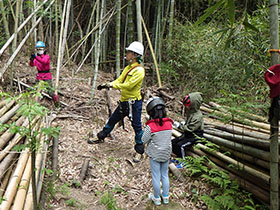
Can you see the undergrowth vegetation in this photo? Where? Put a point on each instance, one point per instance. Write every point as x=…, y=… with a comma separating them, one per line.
x=200, y=58
x=226, y=194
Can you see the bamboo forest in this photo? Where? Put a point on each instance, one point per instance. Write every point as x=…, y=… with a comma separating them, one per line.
x=139, y=104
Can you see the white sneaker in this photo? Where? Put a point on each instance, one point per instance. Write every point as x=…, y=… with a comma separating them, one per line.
x=157, y=201
x=165, y=199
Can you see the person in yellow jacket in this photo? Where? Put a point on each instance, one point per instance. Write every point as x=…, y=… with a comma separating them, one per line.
x=129, y=82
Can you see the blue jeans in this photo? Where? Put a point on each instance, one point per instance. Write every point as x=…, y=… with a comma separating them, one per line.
x=159, y=172
x=121, y=112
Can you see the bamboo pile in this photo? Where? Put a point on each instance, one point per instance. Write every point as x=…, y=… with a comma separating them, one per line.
x=243, y=148
x=15, y=167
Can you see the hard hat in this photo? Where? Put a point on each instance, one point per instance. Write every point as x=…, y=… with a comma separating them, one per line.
x=187, y=101
x=154, y=102
x=136, y=47
x=272, y=78
x=40, y=44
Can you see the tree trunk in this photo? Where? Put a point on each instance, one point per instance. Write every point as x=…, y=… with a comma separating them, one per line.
x=274, y=149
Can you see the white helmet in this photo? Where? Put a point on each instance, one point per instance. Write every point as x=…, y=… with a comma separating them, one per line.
x=136, y=47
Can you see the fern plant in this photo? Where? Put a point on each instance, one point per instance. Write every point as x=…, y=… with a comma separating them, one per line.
x=226, y=194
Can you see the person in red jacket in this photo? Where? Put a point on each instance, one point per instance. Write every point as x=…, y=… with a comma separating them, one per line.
x=42, y=63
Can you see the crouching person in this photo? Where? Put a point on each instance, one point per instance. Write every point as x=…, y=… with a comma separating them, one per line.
x=192, y=128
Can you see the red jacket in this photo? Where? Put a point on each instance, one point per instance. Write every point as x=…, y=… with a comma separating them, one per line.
x=42, y=63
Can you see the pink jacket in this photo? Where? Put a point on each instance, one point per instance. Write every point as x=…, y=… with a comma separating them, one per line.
x=42, y=63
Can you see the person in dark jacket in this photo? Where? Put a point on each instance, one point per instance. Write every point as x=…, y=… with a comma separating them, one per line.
x=192, y=128
x=42, y=62
x=157, y=135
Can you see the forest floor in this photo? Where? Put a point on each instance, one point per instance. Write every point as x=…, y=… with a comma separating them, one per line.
x=112, y=176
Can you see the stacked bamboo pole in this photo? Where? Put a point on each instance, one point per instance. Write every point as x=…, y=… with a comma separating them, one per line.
x=15, y=167
x=243, y=143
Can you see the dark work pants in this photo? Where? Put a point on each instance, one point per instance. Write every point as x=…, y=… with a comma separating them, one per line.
x=122, y=111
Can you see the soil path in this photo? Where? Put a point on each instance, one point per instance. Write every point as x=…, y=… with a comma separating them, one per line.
x=112, y=175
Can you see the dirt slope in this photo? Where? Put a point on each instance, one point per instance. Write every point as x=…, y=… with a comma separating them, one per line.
x=111, y=168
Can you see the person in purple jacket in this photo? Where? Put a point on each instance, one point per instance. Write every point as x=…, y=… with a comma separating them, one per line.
x=157, y=136
x=42, y=63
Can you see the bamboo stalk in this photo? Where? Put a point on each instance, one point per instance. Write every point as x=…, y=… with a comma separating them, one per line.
x=4, y=109
x=23, y=187
x=235, y=129
x=7, y=135
x=6, y=163
x=249, y=115
x=264, y=177
x=9, y=114
x=62, y=40
x=263, y=144
x=257, y=192
x=236, y=119
x=16, y=139
x=28, y=205
x=118, y=32
x=230, y=169
x=239, y=147
x=42, y=171
x=5, y=181
x=139, y=16
x=97, y=57
x=176, y=172
x=242, y=156
x=152, y=51
x=12, y=187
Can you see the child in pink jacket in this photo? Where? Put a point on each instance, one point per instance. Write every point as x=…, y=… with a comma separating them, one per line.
x=42, y=63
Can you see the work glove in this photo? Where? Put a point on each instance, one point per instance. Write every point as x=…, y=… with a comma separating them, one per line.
x=176, y=124
x=139, y=148
x=32, y=56
x=103, y=86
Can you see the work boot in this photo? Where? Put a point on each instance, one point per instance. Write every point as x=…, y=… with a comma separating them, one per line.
x=137, y=158
x=95, y=139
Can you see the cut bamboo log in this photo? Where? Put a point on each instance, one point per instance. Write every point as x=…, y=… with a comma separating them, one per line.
x=176, y=172
x=242, y=156
x=23, y=187
x=264, y=177
x=42, y=171
x=235, y=129
x=28, y=205
x=5, y=181
x=16, y=139
x=257, y=192
x=258, y=153
x=5, y=137
x=236, y=119
x=249, y=115
x=231, y=169
x=84, y=169
x=6, y=107
x=14, y=181
x=259, y=143
x=2, y=103
x=55, y=156
x=6, y=163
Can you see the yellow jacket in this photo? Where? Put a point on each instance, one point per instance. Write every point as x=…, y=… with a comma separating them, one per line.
x=131, y=86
